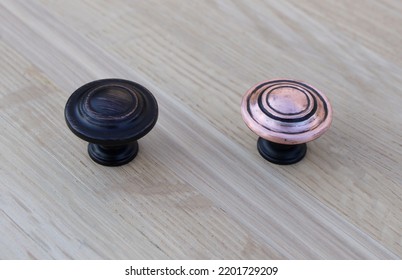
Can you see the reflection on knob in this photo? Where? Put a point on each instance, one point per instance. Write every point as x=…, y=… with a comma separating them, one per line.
x=111, y=114
x=285, y=114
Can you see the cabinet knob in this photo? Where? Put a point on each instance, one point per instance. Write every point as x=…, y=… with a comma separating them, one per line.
x=285, y=114
x=111, y=114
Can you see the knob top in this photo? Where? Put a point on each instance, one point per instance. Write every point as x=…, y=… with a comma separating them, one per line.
x=111, y=112
x=110, y=102
x=286, y=111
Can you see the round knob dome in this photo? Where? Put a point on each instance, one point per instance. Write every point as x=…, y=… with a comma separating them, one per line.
x=111, y=114
x=285, y=112
x=110, y=102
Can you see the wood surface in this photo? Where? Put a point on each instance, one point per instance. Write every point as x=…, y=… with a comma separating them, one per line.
x=198, y=188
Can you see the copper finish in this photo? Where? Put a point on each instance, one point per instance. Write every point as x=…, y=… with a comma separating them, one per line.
x=286, y=111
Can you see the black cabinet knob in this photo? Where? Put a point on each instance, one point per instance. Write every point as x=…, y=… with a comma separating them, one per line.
x=285, y=114
x=111, y=114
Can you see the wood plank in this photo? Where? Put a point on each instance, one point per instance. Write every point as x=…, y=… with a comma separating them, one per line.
x=198, y=188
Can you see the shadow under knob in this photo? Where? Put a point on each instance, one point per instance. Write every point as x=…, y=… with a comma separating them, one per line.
x=285, y=114
x=111, y=114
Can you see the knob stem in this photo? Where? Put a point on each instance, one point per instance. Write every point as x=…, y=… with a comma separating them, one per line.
x=281, y=153
x=115, y=155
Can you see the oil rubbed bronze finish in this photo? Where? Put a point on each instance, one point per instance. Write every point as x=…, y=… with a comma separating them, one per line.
x=111, y=114
x=285, y=114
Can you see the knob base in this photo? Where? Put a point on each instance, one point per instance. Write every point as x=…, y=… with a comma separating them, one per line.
x=280, y=153
x=113, y=155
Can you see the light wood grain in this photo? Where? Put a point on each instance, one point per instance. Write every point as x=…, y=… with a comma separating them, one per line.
x=198, y=188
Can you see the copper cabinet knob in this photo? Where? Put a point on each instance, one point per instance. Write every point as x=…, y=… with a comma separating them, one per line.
x=285, y=114
x=111, y=114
